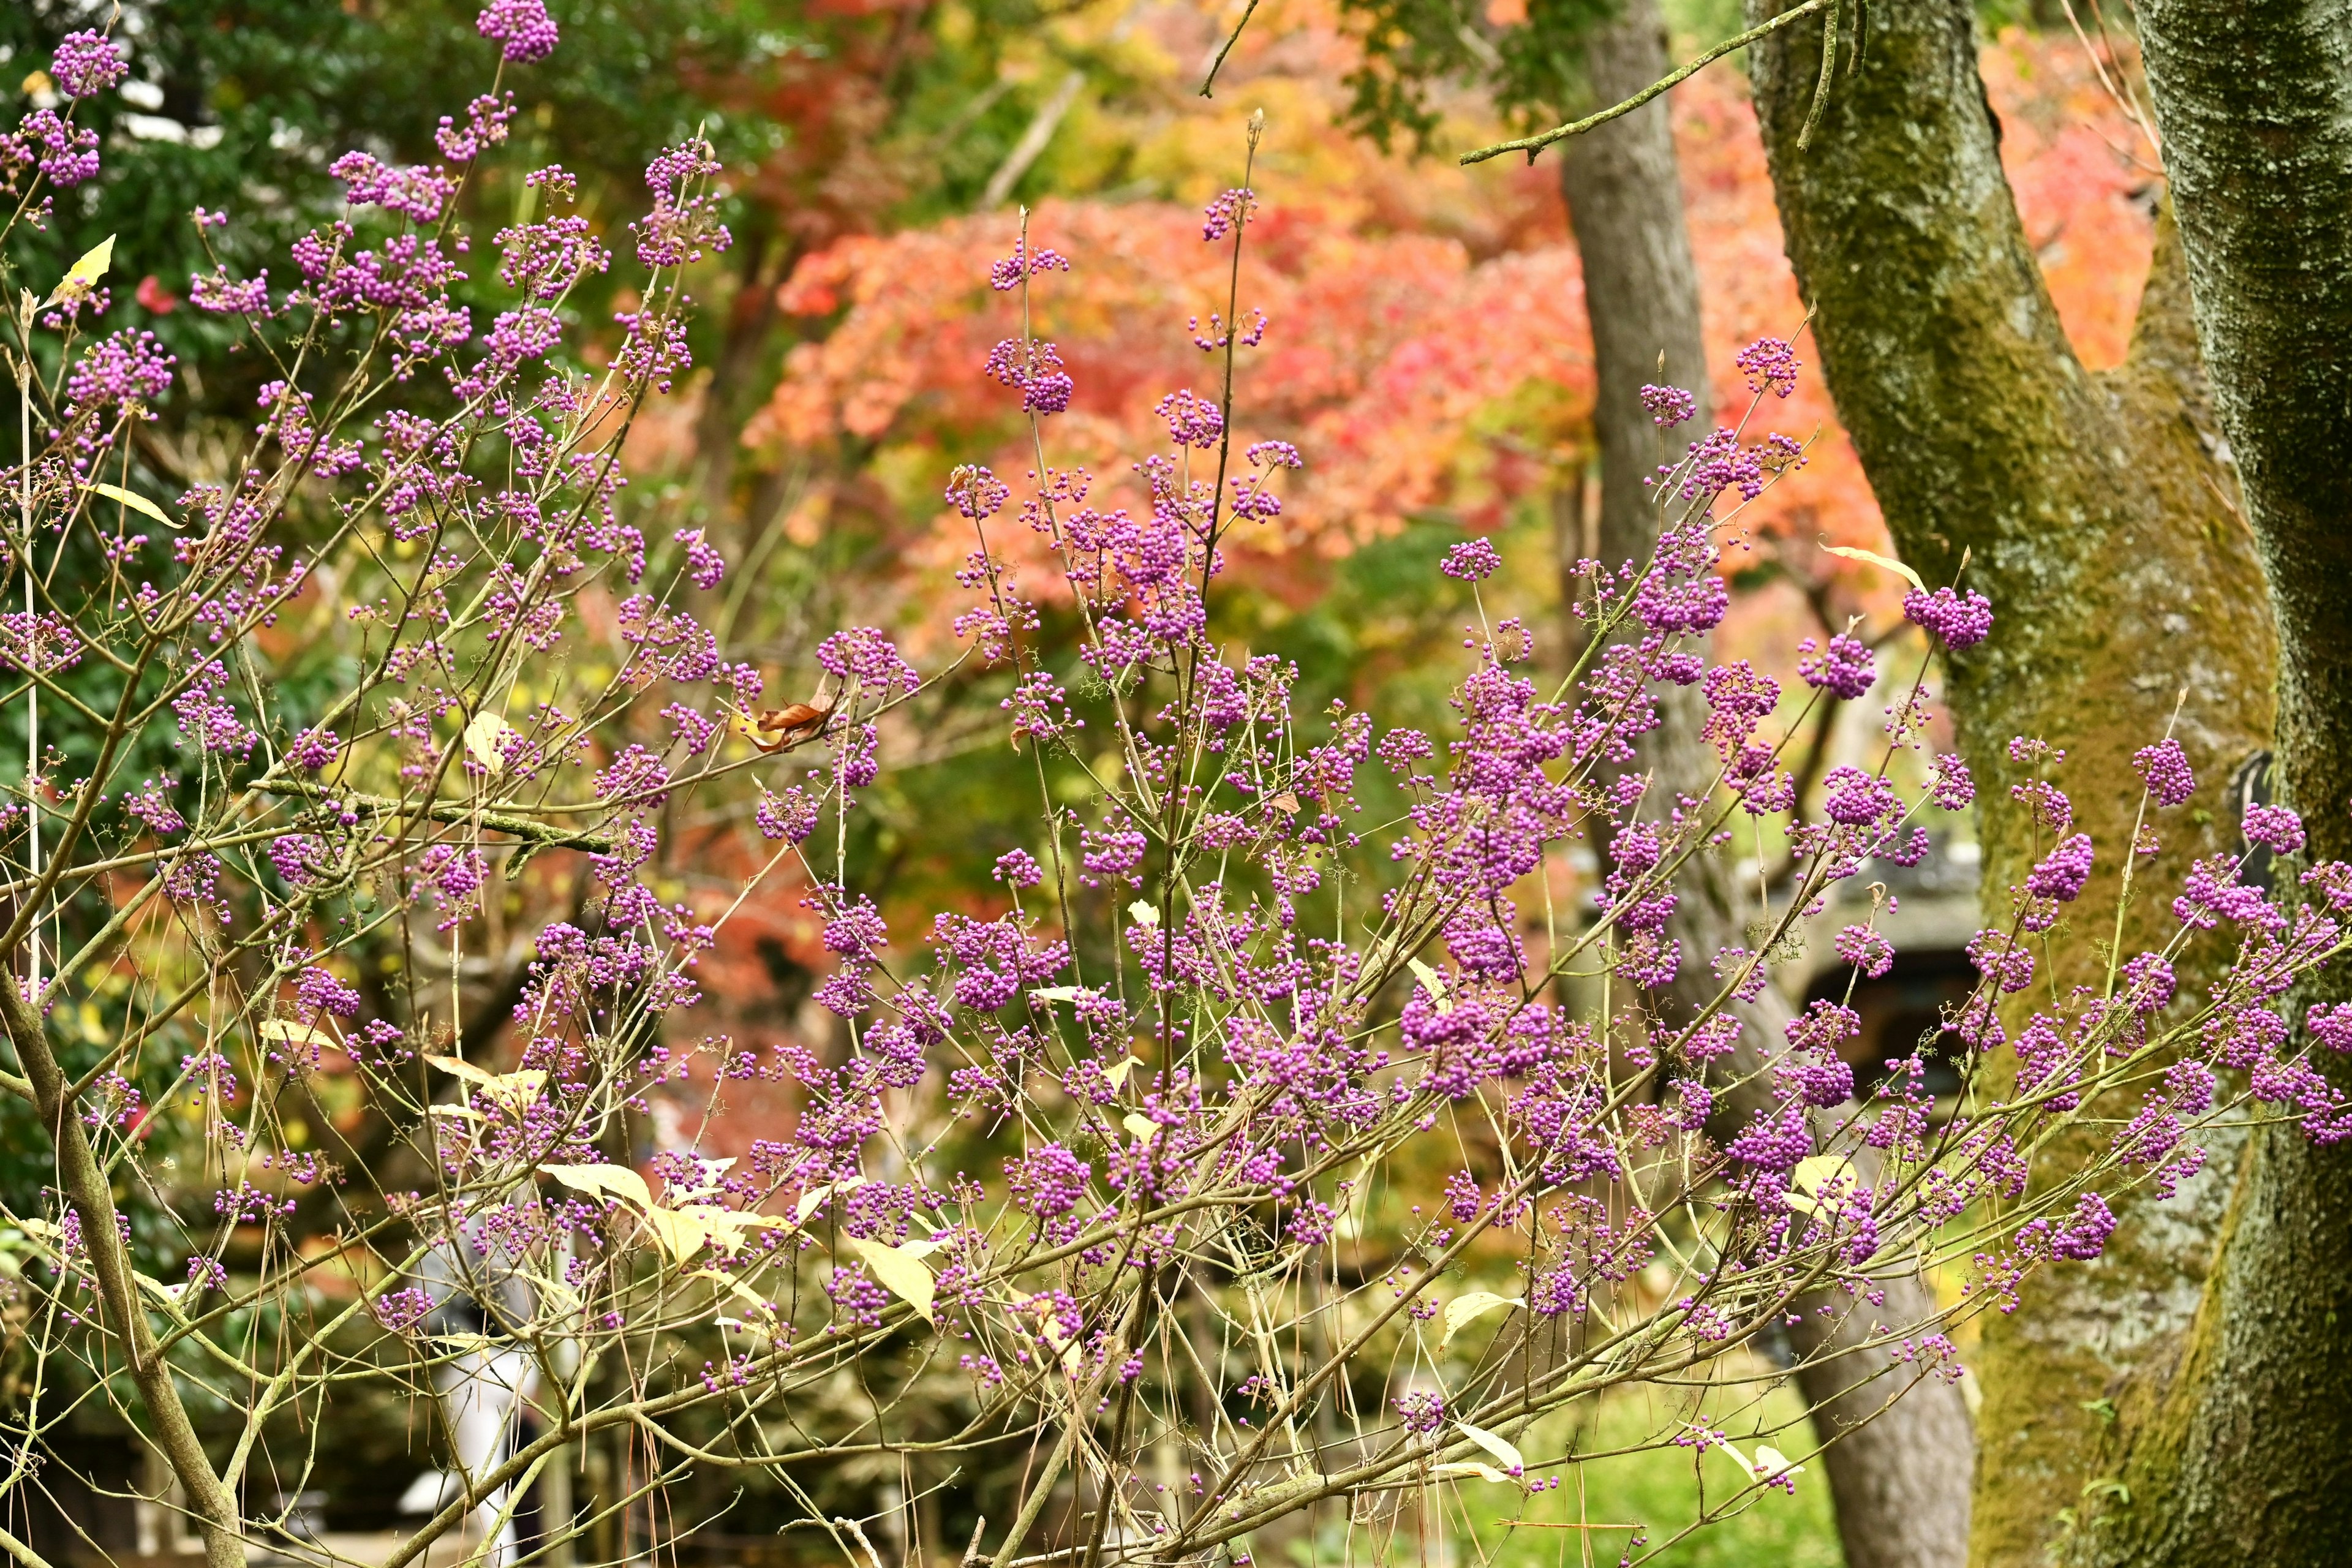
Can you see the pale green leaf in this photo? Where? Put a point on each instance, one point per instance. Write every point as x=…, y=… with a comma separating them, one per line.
x=901, y=1273
x=604, y=1181
x=1499, y=1446
x=486, y=736
x=1468, y=1307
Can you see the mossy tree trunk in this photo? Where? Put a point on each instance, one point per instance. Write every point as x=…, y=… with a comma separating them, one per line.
x=2242, y=1456
x=2098, y=510
x=1898, y=1474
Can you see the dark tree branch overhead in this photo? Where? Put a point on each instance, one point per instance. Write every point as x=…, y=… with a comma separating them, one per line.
x=1638, y=95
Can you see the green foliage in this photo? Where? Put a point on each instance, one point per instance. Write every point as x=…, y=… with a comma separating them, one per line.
x=1663, y=1491
x=830, y=118
x=1532, y=67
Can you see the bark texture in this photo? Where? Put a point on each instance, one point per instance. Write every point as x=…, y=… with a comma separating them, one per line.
x=83, y=1183
x=1624, y=197
x=2242, y=1456
x=1899, y=1475
x=2099, y=509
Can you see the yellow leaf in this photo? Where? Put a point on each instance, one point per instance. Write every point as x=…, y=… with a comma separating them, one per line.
x=516, y=1089
x=816, y=1198
x=512, y=1090
x=1770, y=1464
x=83, y=275
x=486, y=736
x=604, y=1181
x=1816, y=1170
x=135, y=503
x=726, y=1227
x=1116, y=1074
x=293, y=1033
x=714, y=1169
x=1143, y=914
x=1434, y=983
x=1812, y=1173
x=901, y=1273
x=1468, y=1307
x=1875, y=559
x=735, y=1288
x=1049, y=1328
x=680, y=1235
x=1142, y=1126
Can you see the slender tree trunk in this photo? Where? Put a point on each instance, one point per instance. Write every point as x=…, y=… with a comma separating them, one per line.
x=2098, y=511
x=2242, y=1456
x=82, y=1182
x=1624, y=196
x=1899, y=1475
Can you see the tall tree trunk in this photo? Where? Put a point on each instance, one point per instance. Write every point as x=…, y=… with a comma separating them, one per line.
x=2242, y=1456
x=1899, y=1474
x=2097, y=508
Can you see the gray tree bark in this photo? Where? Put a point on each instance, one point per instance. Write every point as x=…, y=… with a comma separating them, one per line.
x=2099, y=512
x=1899, y=1474
x=2242, y=1456
x=1625, y=195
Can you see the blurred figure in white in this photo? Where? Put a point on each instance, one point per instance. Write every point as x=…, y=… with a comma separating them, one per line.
x=479, y=1300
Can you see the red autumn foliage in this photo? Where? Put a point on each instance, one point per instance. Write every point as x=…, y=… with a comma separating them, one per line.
x=1415, y=377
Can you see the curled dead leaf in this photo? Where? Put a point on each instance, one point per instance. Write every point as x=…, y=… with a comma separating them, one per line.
x=774, y=729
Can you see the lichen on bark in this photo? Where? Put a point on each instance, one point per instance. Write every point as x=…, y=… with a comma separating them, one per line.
x=2097, y=511
x=2241, y=1455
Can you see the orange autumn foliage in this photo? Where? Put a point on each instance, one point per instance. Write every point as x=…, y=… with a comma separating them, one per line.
x=1416, y=377
x=1427, y=351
